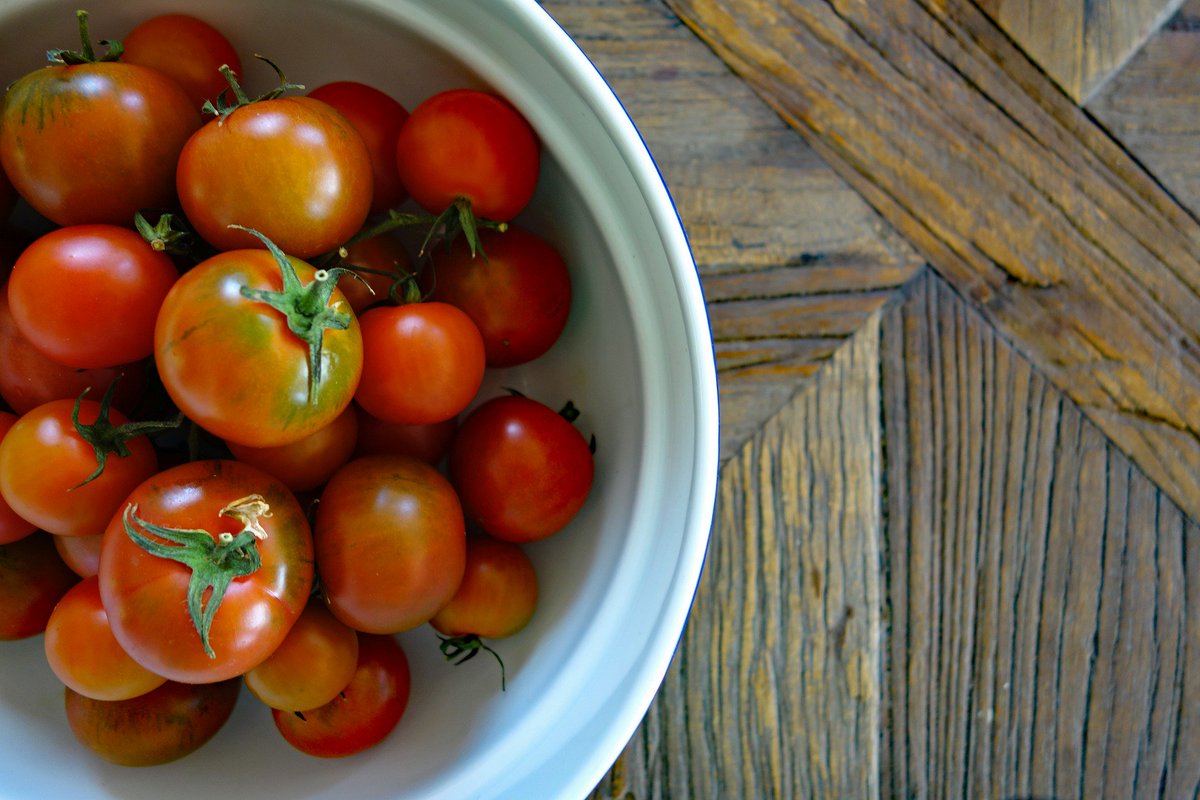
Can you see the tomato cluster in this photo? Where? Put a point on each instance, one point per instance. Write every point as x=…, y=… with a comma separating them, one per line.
x=242, y=438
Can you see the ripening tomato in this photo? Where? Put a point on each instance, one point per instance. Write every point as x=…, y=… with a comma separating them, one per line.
x=378, y=263
x=363, y=714
x=186, y=49
x=167, y=544
x=497, y=596
x=87, y=296
x=12, y=525
x=519, y=296
x=472, y=145
x=308, y=463
x=32, y=580
x=429, y=442
x=521, y=469
x=422, y=362
x=378, y=119
x=80, y=553
x=390, y=539
x=45, y=466
x=308, y=669
x=154, y=728
x=292, y=168
x=84, y=654
x=232, y=363
x=96, y=141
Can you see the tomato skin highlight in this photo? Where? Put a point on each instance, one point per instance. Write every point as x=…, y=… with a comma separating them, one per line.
x=232, y=365
x=391, y=542
x=32, y=580
x=186, y=49
x=80, y=553
x=158, y=727
x=497, y=596
x=308, y=669
x=144, y=594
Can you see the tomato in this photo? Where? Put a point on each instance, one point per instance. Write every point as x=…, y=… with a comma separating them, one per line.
x=84, y=654
x=469, y=144
x=87, y=296
x=422, y=362
x=186, y=49
x=378, y=262
x=430, y=442
x=363, y=714
x=521, y=469
x=95, y=142
x=12, y=525
x=80, y=553
x=28, y=378
x=308, y=463
x=45, y=466
x=498, y=593
x=32, y=580
x=292, y=168
x=233, y=365
x=390, y=539
x=163, y=725
x=378, y=119
x=308, y=669
x=156, y=603
x=519, y=296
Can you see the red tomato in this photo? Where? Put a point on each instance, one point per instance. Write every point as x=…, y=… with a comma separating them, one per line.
x=430, y=442
x=422, y=362
x=12, y=525
x=95, y=142
x=308, y=669
x=497, y=596
x=45, y=461
x=87, y=296
x=80, y=553
x=147, y=594
x=310, y=462
x=378, y=262
x=521, y=470
x=186, y=49
x=84, y=654
x=519, y=296
x=233, y=365
x=28, y=378
x=363, y=714
x=32, y=580
x=468, y=144
x=378, y=119
x=291, y=168
x=163, y=725
x=391, y=542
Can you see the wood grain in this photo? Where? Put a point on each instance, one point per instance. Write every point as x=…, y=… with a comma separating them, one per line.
x=1044, y=596
x=1080, y=43
x=774, y=691
x=1014, y=194
x=791, y=259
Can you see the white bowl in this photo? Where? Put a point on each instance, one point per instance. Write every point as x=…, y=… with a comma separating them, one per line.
x=636, y=358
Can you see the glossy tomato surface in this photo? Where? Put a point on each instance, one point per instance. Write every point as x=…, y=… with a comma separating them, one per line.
x=12, y=525
x=498, y=593
x=185, y=48
x=308, y=669
x=308, y=463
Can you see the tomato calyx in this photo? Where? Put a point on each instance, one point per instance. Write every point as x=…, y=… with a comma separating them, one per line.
x=214, y=561
x=304, y=305
x=171, y=234
x=106, y=438
x=460, y=649
x=87, y=54
x=222, y=107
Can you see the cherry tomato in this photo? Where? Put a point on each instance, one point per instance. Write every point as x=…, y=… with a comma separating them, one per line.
x=430, y=442
x=185, y=49
x=308, y=463
x=32, y=580
x=422, y=362
x=149, y=595
x=12, y=525
x=390, y=540
x=465, y=143
x=84, y=654
x=45, y=466
x=80, y=553
x=363, y=714
x=498, y=593
x=308, y=669
x=378, y=263
x=292, y=168
x=95, y=142
x=233, y=365
x=163, y=725
x=87, y=296
x=377, y=118
x=521, y=469
x=519, y=296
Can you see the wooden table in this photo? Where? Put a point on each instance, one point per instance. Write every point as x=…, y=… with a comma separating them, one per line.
x=952, y=261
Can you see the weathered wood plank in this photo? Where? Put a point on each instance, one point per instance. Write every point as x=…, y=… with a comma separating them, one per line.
x=1013, y=193
x=774, y=691
x=791, y=259
x=1080, y=43
x=1044, y=596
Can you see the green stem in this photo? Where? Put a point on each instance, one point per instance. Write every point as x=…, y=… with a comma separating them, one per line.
x=106, y=438
x=460, y=649
x=86, y=54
